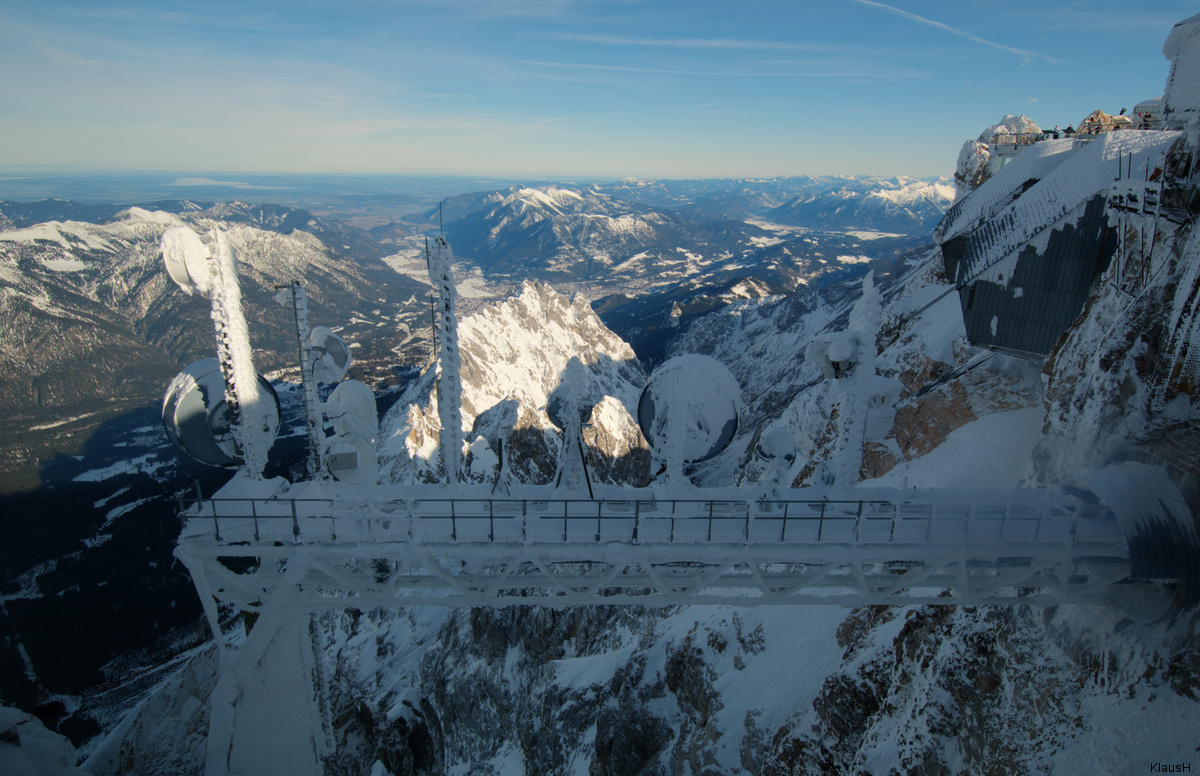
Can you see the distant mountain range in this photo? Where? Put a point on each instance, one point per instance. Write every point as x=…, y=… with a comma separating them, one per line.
x=655, y=253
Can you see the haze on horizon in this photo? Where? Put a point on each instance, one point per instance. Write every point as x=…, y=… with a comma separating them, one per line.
x=557, y=87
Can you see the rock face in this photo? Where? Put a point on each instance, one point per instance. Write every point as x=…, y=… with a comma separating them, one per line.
x=1125, y=376
x=513, y=356
x=168, y=733
x=972, y=168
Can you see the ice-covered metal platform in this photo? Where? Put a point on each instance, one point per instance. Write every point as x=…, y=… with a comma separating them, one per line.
x=317, y=546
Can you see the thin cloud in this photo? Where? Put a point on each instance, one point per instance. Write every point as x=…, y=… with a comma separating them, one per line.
x=699, y=43
x=1028, y=55
x=733, y=44
x=225, y=184
x=1075, y=19
x=890, y=74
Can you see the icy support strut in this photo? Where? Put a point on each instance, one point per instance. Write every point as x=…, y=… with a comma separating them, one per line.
x=449, y=386
x=265, y=717
x=250, y=419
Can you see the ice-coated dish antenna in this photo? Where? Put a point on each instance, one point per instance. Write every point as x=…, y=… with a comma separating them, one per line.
x=777, y=444
x=330, y=355
x=350, y=456
x=574, y=390
x=689, y=409
x=351, y=409
x=196, y=415
x=187, y=258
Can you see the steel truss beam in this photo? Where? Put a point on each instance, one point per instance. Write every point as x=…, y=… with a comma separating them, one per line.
x=899, y=547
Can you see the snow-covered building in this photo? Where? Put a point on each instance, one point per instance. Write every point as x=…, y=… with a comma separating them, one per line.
x=1150, y=113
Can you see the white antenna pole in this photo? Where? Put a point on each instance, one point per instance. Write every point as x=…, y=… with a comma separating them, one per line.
x=250, y=422
x=449, y=388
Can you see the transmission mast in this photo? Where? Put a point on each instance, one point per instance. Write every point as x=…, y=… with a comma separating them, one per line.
x=449, y=362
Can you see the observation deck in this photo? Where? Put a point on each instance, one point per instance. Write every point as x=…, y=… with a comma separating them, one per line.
x=319, y=546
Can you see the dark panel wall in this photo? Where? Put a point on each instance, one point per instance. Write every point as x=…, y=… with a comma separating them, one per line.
x=1047, y=291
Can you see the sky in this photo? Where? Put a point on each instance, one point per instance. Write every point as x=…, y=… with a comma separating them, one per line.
x=557, y=88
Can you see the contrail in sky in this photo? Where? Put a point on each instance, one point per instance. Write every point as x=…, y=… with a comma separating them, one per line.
x=961, y=33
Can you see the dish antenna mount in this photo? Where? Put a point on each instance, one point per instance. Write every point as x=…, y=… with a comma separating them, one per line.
x=688, y=411
x=251, y=413
x=569, y=407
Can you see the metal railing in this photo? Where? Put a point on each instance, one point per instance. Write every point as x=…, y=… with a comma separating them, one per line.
x=237, y=521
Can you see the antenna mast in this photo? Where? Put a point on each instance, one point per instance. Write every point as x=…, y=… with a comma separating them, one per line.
x=449, y=386
x=250, y=425
x=312, y=402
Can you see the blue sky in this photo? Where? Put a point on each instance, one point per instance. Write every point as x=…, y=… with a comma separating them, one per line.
x=557, y=88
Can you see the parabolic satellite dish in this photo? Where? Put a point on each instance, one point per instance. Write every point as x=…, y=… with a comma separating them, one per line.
x=330, y=355
x=574, y=388
x=196, y=416
x=351, y=410
x=350, y=456
x=777, y=444
x=689, y=408
x=186, y=258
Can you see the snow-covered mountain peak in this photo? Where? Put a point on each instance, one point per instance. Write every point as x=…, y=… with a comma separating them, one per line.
x=140, y=215
x=910, y=191
x=1009, y=125
x=551, y=197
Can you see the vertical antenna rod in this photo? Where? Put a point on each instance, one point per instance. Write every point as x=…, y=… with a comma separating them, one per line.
x=312, y=403
x=250, y=420
x=449, y=387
